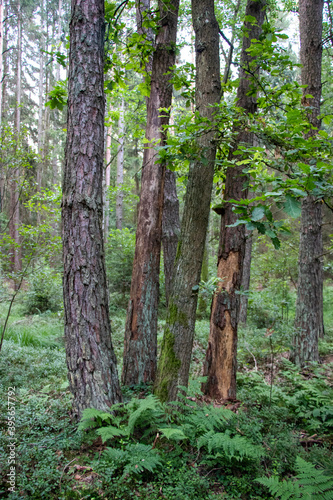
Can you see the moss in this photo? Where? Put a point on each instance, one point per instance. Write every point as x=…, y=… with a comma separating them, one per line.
x=179, y=248
x=168, y=367
x=176, y=316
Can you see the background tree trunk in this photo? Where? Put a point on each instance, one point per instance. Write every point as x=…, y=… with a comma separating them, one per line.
x=309, y=304
x=245, y=285
x=221, y=357
x=140, y=347
x=14, y=222
x=177, y=344
x=120, y=168
x=91, y=362
x=107, y=183
x=170, y=228
x=1, y=59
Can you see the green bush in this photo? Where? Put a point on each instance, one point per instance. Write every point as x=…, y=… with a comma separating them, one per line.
x=45, y=291
x=119, y=257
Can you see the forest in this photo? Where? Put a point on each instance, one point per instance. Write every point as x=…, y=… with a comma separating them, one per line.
x=166, y=266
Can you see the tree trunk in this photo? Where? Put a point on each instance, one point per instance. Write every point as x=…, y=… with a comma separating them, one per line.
x=140, y=347
x=221, y=357
x=245, y=285
x=41, y=105
x=309, y=304
x=107, y=183
x=1, y=59
x=177, y=344
x=170, y=228
x=120, y=168
x=91, y=361
x=14, y=222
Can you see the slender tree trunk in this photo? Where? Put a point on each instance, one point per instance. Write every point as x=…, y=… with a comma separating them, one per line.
x=91, y=361
x=245, y=285
x=107, y=183
x=15, y=187
x=309, y=304
x=140, y=348
x=228, y=61
x=120, y=167
x=221, y=357
x=174, y=364
x=170, y=228
x=1, y=58
x=40, y=137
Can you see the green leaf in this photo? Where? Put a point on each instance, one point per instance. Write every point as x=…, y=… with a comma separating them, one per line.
x=292, y=207
x=258, y=213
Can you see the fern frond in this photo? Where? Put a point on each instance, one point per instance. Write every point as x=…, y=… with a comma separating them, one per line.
x=173, y=433
x=111, y=432
x=237, y=447
x=91, y=417
x=310, y=483
x=149, y=405
x=284, y=490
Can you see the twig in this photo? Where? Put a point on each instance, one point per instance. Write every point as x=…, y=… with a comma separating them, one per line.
x=63, y=471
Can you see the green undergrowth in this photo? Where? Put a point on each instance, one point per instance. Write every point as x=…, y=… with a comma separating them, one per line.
x=262, y=447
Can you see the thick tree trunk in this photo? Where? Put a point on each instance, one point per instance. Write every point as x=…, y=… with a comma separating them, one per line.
x=140, y=348
x=221, y=357
x=177, y=344
x=120, y=167
x=91, y=361
x=245, y=285
x=309, y=304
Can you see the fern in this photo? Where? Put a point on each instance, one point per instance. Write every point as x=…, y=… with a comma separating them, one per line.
x=173, y=433
x=309, y=483
x=284, y=490
x=92, y=418
x=111, y=432
x=137, y=458
x=237, y=447
x=149, y=409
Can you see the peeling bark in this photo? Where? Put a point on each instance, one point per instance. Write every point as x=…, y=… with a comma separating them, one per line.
x=140, y=346
x=92, y=370
x=221, y=357
x=177, y=344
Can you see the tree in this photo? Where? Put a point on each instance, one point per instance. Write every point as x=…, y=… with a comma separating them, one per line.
x=221, y=357
x=177, y=343
x=309, y=305
x=91, y=362
x=140, y=348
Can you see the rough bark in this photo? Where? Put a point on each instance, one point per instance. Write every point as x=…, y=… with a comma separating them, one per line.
x=170, y=228
x=92, y=370
x=221, y=357
x=120, y=168
x=245, y=285
x=177, y=343
x=140, y=348
x=309, y=304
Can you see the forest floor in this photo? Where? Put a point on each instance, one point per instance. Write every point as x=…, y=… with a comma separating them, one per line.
x=281, y=426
